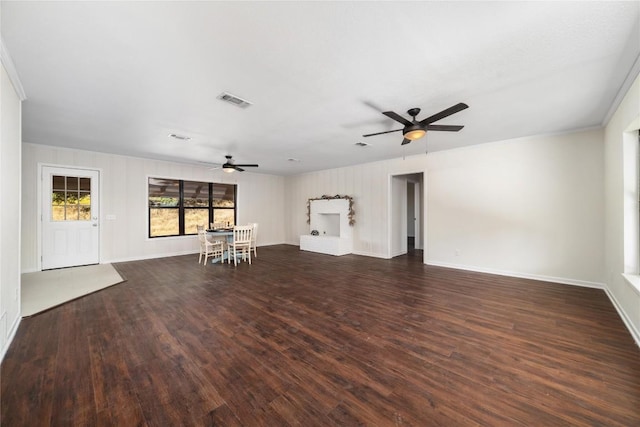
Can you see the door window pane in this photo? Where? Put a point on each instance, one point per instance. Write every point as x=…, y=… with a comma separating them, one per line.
x=72, y=183
x=57, y=198
x=84, y=213
x=72, y=213
x=85, y=184
x=85, y=198
x=58, y=183
x=57, y=213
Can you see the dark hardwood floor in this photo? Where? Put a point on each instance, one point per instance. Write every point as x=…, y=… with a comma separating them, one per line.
x=305, y=339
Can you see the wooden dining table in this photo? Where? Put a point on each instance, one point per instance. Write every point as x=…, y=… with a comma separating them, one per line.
x=228, y=234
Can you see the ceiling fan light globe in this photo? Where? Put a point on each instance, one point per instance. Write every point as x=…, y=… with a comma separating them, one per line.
x=227, y=169
x=413, y=134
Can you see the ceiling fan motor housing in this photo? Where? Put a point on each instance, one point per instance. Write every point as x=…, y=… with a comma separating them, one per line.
x=414, y=132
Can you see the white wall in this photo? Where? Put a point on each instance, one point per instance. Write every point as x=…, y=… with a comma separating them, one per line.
x=123, y=194
x=531, y=207
x=10, y=142
x=625, y=296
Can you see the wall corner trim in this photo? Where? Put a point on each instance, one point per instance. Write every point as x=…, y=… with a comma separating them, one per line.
x=627, y=322
x=7, y=62
x=622, y=91
x=12, y=334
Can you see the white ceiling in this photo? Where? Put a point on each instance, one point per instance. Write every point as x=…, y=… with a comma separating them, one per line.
x=118, y=77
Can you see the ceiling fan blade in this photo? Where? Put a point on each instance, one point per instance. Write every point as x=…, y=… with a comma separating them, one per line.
x=380, y=133
x=444, y=113
x=248, y=165
x=238, y=169
x=445, y=128
x=397, y=118
x=405, y=141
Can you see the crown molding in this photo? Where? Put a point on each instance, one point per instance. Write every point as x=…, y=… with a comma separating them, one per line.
x=622, y=92
x=7, y=62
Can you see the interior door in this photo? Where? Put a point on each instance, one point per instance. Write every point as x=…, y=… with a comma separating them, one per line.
x=70, y=221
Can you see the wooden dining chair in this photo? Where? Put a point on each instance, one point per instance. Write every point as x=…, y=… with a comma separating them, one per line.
x=254, y=236
x=208, y=248
x=241, y=243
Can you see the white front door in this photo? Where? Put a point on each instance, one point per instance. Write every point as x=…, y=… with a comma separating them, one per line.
x=70, y=222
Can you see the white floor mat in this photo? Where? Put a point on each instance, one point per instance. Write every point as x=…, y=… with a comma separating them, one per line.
x=43, y=290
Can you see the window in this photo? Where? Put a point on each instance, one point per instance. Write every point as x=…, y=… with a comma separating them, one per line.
x=71, y=198
x=177, y=207
x=631, y=207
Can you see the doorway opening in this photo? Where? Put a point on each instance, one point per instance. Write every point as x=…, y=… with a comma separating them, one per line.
x=407, y=215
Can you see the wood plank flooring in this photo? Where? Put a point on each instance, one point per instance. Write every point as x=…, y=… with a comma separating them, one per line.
x=304, y=339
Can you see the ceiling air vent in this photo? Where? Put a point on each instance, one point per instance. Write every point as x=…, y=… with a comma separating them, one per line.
x=179, y=137
x=232, y=99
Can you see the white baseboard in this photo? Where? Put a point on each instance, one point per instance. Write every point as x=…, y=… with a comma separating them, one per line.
x=543, y=278
x=166, y=255
x=370, y=254
x=12, y=335
x=361, y=253
x=273, y=244
x=154, y=256
x=628, y=323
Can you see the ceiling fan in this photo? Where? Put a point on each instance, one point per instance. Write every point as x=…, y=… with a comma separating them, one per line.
x=417, y=129
x=230, y=165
